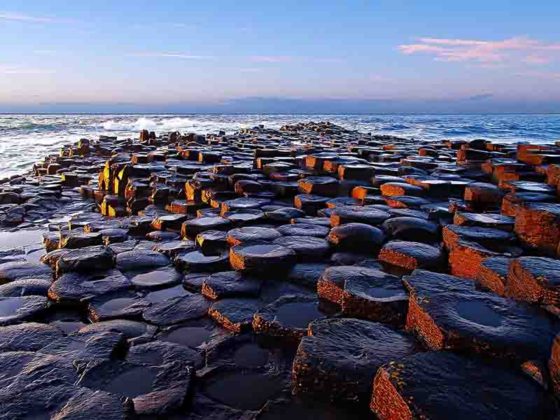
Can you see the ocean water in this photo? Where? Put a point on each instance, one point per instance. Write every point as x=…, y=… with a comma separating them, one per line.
x=26, y=139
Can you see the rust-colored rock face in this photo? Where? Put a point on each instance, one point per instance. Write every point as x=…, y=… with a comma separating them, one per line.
x=534, y=279
x=538, y=226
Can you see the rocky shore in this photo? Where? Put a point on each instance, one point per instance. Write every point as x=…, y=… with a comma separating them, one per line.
x=305, y=272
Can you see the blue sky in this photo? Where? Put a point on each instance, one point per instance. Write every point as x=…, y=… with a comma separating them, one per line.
x=349, y=55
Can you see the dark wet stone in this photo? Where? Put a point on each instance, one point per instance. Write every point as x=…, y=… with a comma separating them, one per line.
x=87, y=404
x=406, y=202
x=356, y=237
x=342, y=202
x=140, y=259
x=51, y=258
x=244, y=351
x=193, y=281
x=14, y=310
x=129, y=328
x=321, y=185
x=243, y=203
x=347, y=258
x=358, y=214
x=171, y=222
x=230, y=284
x=82, y=287
x=513, y=202
x=261, y=259
x=30, y=336
x=302, y=407
x=489, y=220
x=493, y=239
x=85, y=260
x=202, y=408
x=412, y=255
x=251, y=234
x=73, y=240
x=419, y=214
x=307, y=248
x=365, y=293
x=446, y=385
x=287, y=317
x=304, y=229
x=244, y=217
x=126, y=305
x=156, y=353
x=159, y=236
x=19, y=270
x=234, y=314
x=338, y=359
x=212, y=242
x=176, y=310
x=193, y=227
x=87, y=346
x=534, y=279
x=306, y=274
x=194, y=334
x=27, y=287
x=156, y=390
x=482, y=195
x=34, y=385
x=412, y=229
x=112, y=236
x=196, y=261
x=284, y=215
x=446, y=312
x=174, y=248
x=245, y=390
x=119, y=247
x=163, y=277
x=310, y=203
x=160, y=295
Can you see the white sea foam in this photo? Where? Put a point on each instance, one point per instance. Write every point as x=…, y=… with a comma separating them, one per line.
x=26, y=139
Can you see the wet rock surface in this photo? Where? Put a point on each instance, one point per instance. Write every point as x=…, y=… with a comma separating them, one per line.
x=442, y=385
x=339, y=357
x=274, y=273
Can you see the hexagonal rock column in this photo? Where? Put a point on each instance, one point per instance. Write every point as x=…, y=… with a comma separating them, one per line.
x=356, y=237
x=482, y=195
x=339, y=357
x=538, y=227
x=412, y=255
x=443, y=385
x=262, y=258
x=364, y=293
x=446, y=312
x=470, y=246
x=287, y=318
x=534, y=279
x=492, y=274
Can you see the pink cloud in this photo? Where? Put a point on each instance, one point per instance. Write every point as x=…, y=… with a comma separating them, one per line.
x=527, y=50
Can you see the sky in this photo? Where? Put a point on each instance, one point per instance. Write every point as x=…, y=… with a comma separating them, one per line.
x=280, y=56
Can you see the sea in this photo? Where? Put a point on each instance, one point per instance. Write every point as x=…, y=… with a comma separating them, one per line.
x=28, y=138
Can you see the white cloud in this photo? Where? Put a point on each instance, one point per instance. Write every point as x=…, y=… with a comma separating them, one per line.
x=172, y=55
x=25, y=18
x=19, y=70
